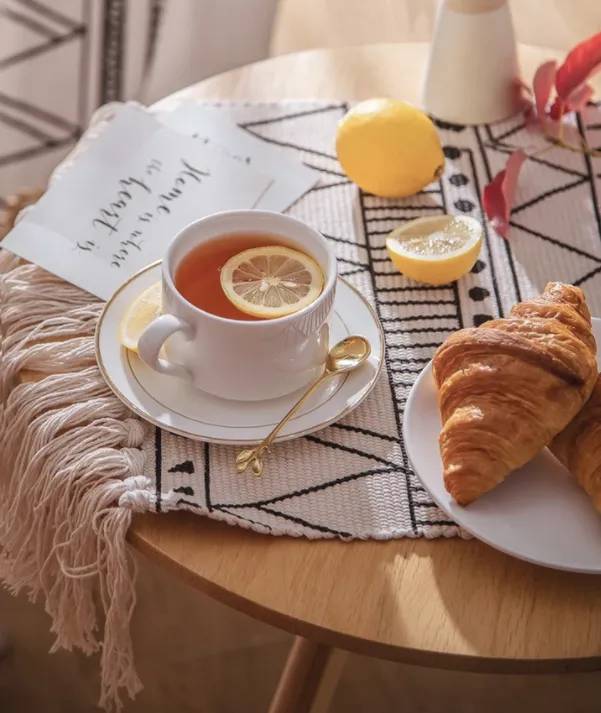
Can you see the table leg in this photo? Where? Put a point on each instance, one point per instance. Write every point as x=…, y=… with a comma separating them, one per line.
x=309, y=679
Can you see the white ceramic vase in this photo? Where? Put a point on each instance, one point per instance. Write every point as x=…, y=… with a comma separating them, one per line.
x=472, y=72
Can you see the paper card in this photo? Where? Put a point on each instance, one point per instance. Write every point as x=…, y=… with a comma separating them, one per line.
x=118, y=206
x=214, y=128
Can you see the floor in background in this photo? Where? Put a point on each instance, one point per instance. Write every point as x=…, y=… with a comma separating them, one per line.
x=197, y=656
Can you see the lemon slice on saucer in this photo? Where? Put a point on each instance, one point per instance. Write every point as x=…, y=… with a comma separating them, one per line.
x=437, y=249
x=272, y=281
x=139, y=315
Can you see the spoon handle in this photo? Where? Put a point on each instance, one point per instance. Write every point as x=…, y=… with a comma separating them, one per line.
x=252, y=456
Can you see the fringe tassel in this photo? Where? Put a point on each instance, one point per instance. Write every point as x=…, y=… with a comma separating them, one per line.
x=69, y=472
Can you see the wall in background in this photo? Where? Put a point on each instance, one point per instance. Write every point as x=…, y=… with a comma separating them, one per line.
x=307, y=24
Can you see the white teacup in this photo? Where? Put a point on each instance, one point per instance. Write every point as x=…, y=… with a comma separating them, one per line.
x=236, y=359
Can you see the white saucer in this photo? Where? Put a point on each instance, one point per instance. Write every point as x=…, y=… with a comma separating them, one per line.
x=171, y=404
x=539, y=514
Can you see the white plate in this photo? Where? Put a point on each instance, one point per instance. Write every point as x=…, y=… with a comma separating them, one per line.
x=171, y=404
x=539, y=514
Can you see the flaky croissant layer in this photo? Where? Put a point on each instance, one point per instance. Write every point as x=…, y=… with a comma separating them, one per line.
x=578, y=447
x=507, y=388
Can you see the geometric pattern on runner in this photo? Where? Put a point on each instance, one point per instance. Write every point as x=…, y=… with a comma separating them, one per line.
x=353, y=479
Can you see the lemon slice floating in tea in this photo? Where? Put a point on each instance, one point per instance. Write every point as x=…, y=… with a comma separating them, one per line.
x=272, y=281
x=139, y=315
x=436, y=250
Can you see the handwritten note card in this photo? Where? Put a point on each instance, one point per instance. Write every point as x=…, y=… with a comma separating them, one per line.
x=116, y=209
x=212, y=127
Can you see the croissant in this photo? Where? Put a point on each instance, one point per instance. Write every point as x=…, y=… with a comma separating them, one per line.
x=578, y=447
x=508, y=387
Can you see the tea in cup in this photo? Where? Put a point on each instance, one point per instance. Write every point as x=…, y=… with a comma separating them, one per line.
x=224, y=350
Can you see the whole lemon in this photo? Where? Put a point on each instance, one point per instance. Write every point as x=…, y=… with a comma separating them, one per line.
x=389, y=148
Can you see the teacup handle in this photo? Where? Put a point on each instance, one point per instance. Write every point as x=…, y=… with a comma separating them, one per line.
x=153, y=338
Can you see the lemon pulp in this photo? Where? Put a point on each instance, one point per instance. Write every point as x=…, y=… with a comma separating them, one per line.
x=436, y=250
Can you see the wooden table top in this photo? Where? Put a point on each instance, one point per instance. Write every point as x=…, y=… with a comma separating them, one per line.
x=447, y=603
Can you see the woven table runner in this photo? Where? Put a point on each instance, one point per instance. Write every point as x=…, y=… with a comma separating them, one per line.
x=76, y=462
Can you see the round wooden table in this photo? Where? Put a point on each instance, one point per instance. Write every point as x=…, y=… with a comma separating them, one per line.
x=451, y=604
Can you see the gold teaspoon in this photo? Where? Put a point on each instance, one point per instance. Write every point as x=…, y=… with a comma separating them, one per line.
x=342, y=357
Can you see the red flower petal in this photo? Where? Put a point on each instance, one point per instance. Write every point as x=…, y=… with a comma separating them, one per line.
x=577, y=100
x=542, y=85
x=580, y=64
x=558, y=109
x=498, y=196
x=580, y=97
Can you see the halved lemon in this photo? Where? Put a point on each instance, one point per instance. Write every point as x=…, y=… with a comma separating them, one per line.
x=436, y=250
x=139, y=315
x=272, y=281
